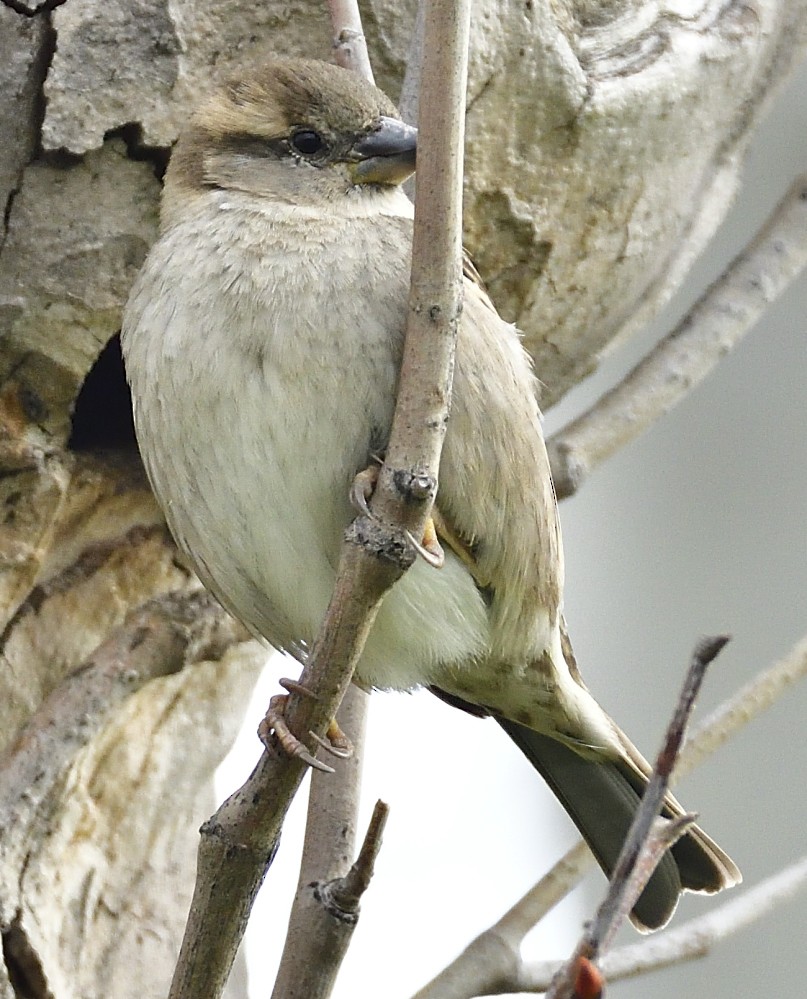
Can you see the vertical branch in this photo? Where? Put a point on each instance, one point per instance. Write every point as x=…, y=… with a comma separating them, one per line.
x=239, y=841
x=418, y=428
x=435, y=299
x=349, y=43
x=333, y=801
x=330, y=843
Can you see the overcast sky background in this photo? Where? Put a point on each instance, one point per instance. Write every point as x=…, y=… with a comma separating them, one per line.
x=699, y=527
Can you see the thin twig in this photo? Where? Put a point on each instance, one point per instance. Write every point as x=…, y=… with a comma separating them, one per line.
x=491, y=964
x=624, y=888
x=493, y=957
x=716, y=323
x=751, y=700
x=639, y=855
x=691, y=940
x=346, y=892
x=516, y=923
x=331, y=914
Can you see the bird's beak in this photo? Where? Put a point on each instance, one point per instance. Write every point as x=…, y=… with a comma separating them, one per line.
x=386, y=155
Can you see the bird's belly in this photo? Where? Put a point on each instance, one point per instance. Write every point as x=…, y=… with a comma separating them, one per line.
x=268, y=509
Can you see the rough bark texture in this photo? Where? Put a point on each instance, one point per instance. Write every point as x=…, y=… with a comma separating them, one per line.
x=604, y=145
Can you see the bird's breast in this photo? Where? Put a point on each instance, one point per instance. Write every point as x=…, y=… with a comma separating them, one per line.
x=264, y=373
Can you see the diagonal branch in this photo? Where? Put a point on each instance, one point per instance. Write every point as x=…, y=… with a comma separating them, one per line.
x=239, y=841
x=641, y=850
x=728, y=309
x=694, y=939
x=750, y=700
x=492, y=964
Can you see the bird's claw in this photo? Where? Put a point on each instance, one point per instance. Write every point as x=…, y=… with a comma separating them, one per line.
x=273, y=730
x=429, y=549
x=274, y=723
x=335, y=742
x=295, y=687
x=363, y=488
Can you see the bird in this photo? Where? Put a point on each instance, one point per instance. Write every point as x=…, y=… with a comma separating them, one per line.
x=262, y=342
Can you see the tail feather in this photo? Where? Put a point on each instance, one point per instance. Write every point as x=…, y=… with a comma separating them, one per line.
x=601, y=798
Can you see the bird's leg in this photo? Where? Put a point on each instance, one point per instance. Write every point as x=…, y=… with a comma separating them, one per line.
x=274, y=723
x=429, y=547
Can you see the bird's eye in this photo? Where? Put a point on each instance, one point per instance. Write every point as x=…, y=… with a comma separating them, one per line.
x=307, y=142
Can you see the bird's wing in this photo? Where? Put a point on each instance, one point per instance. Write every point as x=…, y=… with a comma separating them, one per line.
x=495, y=499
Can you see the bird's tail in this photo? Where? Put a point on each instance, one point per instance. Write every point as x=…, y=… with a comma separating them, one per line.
x=601, y=798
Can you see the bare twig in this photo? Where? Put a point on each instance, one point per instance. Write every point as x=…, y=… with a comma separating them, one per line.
x=346, y=892
x=632, y=871
x=507, y=973
x=751, y=700
x=693, y=939
x=717, y=322
x=491, y=964
x=331, y=914
x=493, y=957
x=239, y=841
x=641, y=850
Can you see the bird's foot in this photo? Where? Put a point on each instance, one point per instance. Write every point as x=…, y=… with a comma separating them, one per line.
x=335, y=742
x=429, y=547
x=274, y=725
x=363, y=488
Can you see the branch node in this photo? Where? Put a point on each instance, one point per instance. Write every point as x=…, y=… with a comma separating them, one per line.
x=382, y=541
x=342, y=896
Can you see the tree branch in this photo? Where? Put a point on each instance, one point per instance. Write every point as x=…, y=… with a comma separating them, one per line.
x=643, y=847
x=349, y=43
x=492, y=959
x=751, y=700
x=307, y=967
x=726, y=311
x=691, y=940
x=326, y=912
x=491, y=964
x=239, y=841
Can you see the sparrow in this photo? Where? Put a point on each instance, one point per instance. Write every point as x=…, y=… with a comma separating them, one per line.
x=262, y=342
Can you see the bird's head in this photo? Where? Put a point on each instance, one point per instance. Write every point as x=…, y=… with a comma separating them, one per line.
x=295, y=131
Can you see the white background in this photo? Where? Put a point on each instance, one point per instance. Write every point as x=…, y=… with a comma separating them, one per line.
x=699, y=527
